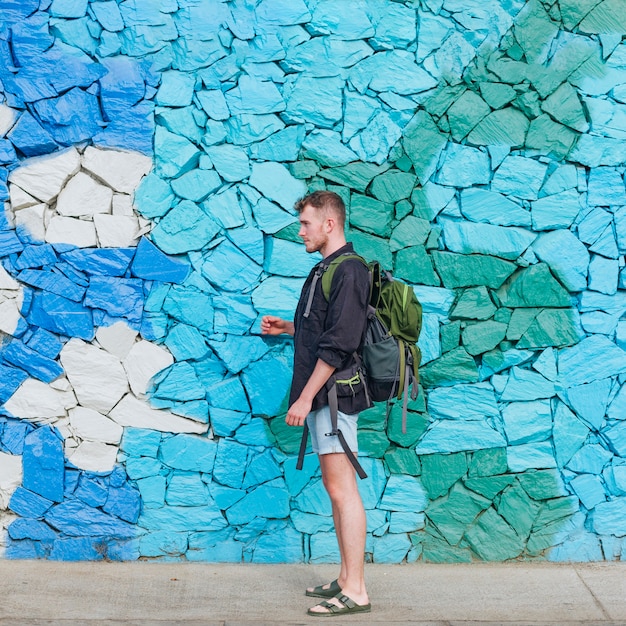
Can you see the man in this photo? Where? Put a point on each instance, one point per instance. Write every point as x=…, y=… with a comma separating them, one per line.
x=326, y=335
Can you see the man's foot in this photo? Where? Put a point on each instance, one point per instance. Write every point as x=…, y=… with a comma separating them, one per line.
x=330, y=590
x=339, y=605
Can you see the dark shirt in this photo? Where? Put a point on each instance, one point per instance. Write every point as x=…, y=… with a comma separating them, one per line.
x=333, y=331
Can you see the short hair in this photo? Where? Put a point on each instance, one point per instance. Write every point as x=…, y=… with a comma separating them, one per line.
x=325, y=201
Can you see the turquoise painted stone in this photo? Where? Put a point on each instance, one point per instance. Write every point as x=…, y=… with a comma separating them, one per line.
x=480, y=205
x=447, y=436
x=567, y=257
x=594, y=358
x=174, y=155
x=590, y=401
x=431, y=199
x=463, y=166
x=228, y=268
x=286, y=258
x=275, y=182
x=325, y=148
x=267, y=382
x=391, y=548
x=556, y=211
x=607, y=517
x=231, y=162
x=569, y=434
x=525, y=422
x=530, y=456
x=153, y=197
x=404, y=493
x=460, y=270
x=519, y=176
x=324, y=111
x=525, y=385
x=463, y=402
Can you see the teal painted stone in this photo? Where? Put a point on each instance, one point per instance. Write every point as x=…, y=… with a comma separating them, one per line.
x=152, y=490
x=520, y=321
x=555, y=211
x=238, y=352
x=186, y=342
x=196, y=185
x=254, y=96
x=465, y=113
x=474, y=304
x=401, y=461
x=463, y=166
x=497, y=95
x=605, y=17
x=176, y=89
x=371, y=215
x=564, y=106
x=377, y=139
x=608, y=517
x=416, y=424
x=324, y=111
x=479, y=205
x=441, y=471
x=553, y=327
x=589, y=490
x=567, y=257
x=482, y=336
x=185, y=227
x=277, y=296
x=415, y=265
x=463, y=402
x=178, y=382
x=488, y=462
x=213, y=103
x=153, y=197
x=527, y=456
x=569, y=434
x=356, y=175
x=404, y=493
x=526, y=422
x=505, y=126
x=456, y=366
x=492, y=539
x=186, y=490
x=182, y=518
x=460, y=270
x=411, y=231
x=230, y=465
x=489, y=486
x=189, y=453
x=525, y=385
x=518, y=509
x=590, y=402
x=270, y=500
x=591, y=457
x=533, y=286
x=231, y=162
x=174, y=155
x=228, y=268
x=450, y=336
x=448, y=436
x=431, y=199
x=286, y=258
x=423, y=144
x=275, y=182
x=242, y=130
x=393, y=186
x=190, y=306
x=500, y=241
x=162, y=543
x=594, y=358
x=267, y=382
x=521, y=177
x=391, y=548
x=326, y=148
x=228, y=394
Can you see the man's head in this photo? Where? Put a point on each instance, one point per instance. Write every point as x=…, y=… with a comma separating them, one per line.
x=322, y=221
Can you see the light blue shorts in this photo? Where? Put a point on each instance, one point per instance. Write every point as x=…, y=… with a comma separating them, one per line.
x=319, y=425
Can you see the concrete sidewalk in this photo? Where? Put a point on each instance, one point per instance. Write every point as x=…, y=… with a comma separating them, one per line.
x=159, y=594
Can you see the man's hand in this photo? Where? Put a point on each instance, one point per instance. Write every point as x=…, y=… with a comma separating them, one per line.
x=273, y=325
x=297, y=412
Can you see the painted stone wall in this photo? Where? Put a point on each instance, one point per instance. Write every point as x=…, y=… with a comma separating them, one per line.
x=150, y=155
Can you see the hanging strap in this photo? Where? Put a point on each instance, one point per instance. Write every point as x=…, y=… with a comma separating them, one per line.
x=318, y=274
x=302, y=451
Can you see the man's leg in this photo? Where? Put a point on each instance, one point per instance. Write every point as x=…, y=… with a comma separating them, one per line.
x=350, y=524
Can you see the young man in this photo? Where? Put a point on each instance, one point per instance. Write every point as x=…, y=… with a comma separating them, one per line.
x=325, y=341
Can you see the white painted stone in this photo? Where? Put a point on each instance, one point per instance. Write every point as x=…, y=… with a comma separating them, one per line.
x=10, y=477
x=120, y=170
x=61, y=384
x=137, y=413
x=117, y=339
x=122, y=204
x=33, y=220
x=84, y=196
x=93, y=456
x=44, y=177
x=97, y=376
x=39, y=403
x=7, y=281
x=9, y=315
x=89, y=424
x=145, y=226
x=20, y=199
x=8, y=117
x=71, y=230
x=116, y=231
x=144, y=360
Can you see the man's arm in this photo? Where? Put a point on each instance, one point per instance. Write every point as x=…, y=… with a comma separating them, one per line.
x=302, y=406
x=273, y=325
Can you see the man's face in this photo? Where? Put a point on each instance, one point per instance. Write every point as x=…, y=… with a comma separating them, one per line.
x=313, y=229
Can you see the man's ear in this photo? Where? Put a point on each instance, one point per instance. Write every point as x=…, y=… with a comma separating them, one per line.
x=330, y=224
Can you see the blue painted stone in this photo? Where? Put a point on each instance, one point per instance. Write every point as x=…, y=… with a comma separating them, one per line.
x=190, y=306
x=30, y=138
x=91, y=491
x=182, y=518
x=526, y=422
x=28, y=504
x=467, y=402
x=186, y=489
x=123, y=502
x=10, y=379
x=178, y=382
x=61, y=316
x=52, y=282
x=189, y=452
x=36, y=256
x=525, y=385
x=119, y=297
x=608, y=517
x=78, y=549
x=15, y=10
x=230, y=463
x=149, y=263
x=445, y=436
x=404, y=493
x=45, y=343
x=152, y=490
x=76, y=519
x=228, y=268
x=270, y=500
x=43, y=463
x=100, y=262
x=31, y=529
x=464, y=166
x=9, y=243
x=36, y=364
x=163, y=543
x=267, y=381
x=185, y=227
x=594, y=358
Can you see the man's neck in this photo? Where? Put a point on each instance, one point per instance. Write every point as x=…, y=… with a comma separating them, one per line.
x=332, y=247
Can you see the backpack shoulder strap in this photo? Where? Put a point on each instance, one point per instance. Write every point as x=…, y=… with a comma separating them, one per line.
x=331, y=268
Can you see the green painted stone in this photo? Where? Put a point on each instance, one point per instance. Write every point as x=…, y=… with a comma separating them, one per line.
x=290, y=233
x=508, y=70
x=371, y=215
x=552, y=327
x=450, y=336
x=356, y=175
x=402, y=461
x=403, y=162
x=502, y=127
x=461, y=270
x=443, y=98
x=550, y=138
x=423, y=144
x=372, y=443
x=573, y=11
x=456, y=366
x=441, y=471
x=483, y=336
x=564, y=106
x=474, y=304
x=432, y=243
x=452, y=514
x=533, y=286
x=286, y=438
x=371, y=248
x=489, y=486
x=607, y=17
x=534, y=30
x=503, y=315
x=411, y=231
x=438, y=551
x=415, y=266
x=416, y=425
x=393, y=186
x=497, y=95
x=520, y=321
x=518, y=509
x=465, y=113
x=489, y=462
x=373, y=418
x=528, y=103
x=556, y=509
x=304, y=169
x=403, y=208
x=543, y=484
x=492, y=539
